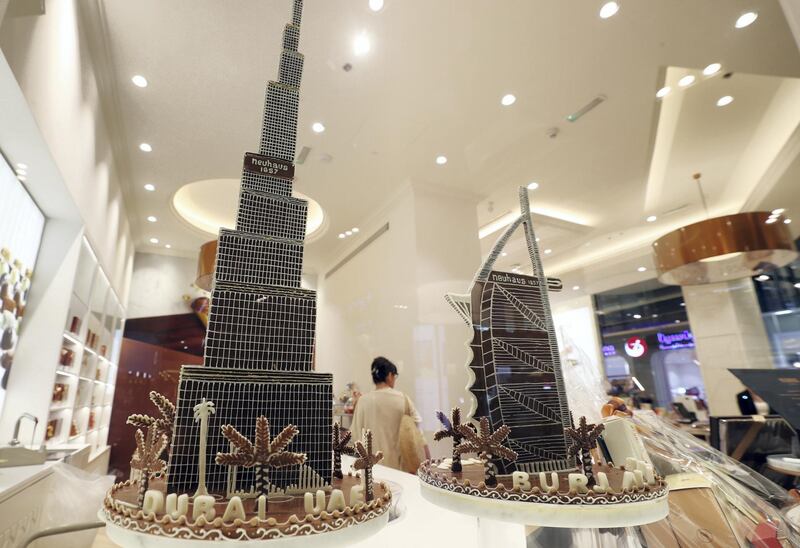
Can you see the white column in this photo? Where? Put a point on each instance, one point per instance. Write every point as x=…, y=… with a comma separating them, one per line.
x=729, y=334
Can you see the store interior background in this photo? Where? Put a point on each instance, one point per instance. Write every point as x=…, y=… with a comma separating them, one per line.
x=72, y=114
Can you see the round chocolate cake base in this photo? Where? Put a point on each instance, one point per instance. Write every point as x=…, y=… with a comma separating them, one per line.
x=466, y=493
x=286, y=521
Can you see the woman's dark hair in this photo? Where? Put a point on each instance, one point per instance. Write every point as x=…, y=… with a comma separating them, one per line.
x=381, y=367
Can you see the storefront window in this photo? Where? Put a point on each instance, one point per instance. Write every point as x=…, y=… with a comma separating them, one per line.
x=779, y=298
x=647, y=344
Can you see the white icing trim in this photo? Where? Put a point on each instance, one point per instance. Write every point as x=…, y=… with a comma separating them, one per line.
x=619, y=514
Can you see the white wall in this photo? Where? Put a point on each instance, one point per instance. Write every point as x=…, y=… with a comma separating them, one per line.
x=159, y=283
x=389, y=300
x=49, y=58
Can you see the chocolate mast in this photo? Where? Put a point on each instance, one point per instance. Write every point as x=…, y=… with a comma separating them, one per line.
x=259, y=346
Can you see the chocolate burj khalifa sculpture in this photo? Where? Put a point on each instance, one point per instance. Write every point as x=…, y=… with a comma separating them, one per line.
x=260, y=341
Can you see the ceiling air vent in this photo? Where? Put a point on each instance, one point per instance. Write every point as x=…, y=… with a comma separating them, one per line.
x=301, y=157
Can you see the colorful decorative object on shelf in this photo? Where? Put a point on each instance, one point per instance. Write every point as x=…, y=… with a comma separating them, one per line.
x=258, y=371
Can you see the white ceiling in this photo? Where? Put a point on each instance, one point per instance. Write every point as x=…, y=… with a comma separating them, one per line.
x=432, y=85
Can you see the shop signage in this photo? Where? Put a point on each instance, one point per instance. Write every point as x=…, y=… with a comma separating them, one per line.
x=609, y=350
x=264, y=165
x=635, y=347
x=673, y=341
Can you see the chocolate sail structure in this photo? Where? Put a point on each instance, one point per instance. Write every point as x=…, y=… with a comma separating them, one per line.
x=515, y=360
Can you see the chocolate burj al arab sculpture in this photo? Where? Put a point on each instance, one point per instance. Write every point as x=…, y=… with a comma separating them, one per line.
x=515, y=360
x=534, y=466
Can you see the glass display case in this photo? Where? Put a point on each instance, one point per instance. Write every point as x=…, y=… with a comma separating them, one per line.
x=80, y=410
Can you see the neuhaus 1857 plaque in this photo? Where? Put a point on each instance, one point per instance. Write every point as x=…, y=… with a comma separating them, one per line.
x=264, y=165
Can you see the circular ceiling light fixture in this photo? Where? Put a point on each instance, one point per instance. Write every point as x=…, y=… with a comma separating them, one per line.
x=361, y=44
x=533, y=185
x=746, y=19
x=317, y=127
x=723, y=248
x=712, y=69
x=354, y=230
x=787, y=221
x=642, y=269
x=609, y=9
x=687, y=80
x=777, y=211
x=441, y=160
x=145, y=147
x=153, y=240
x=663, y=92
x=762, y=278
x=724, y=101
x=151, y=219
x=20, y=165
x=508, y=100
x=576, y=287
x=548, y=251
x=149, y=187
x=376, y=5
x=651, y=219
x=139, y=81
x=168, y=246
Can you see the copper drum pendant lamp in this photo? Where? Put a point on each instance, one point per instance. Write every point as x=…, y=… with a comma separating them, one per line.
x=205, y=265
x=723, y=248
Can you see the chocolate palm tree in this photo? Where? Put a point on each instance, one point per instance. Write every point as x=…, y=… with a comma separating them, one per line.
x=339, y=440
x=164, y=423
x=261, y=455
x=486, y=444
x=146, y=458
x=583, y=439
x=365, y=461
x=450, y=430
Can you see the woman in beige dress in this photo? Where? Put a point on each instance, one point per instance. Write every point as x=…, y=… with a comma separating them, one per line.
x=381, y=411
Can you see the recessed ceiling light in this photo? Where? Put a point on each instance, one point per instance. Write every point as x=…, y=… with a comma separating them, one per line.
x=651, y=219
x=746, y=19
x=168, y=246
x=533, y=185
x=341, y=235
x=508, y=100
x=576, y=287
x=22, y=178
x=22, y=172
x=145, y=147
x=139, y=81
x=548, y=251
x=771, y=220
x=797, y=285
x=609, y=9
x=153, y=240
x=361, y=45
x=637, y=316
x=20, y=165
x=713, y=68
x=683, y=304
x=354, y=230
x=677, y=321
x=318, y=127
x=724, y=100
x=762, y=278
x=348, y=232
x=687, y=80
x=151, y=219
x=504, y=254
x=641, y=269
x=663, y=92
x=787, y=221
x=149, y=187
x=441, y=160
x=376, y=5
x=778, y=211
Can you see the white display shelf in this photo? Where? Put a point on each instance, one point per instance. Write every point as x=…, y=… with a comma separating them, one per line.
x=93, y=332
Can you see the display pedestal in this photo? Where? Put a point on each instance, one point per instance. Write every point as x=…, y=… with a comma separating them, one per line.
x=493, y=533
x=343, y=537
